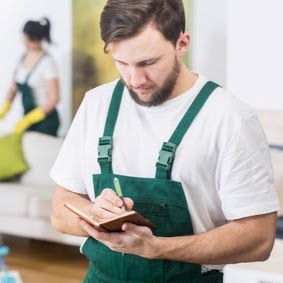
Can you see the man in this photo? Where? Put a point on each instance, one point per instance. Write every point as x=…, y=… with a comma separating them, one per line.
x=189, y=156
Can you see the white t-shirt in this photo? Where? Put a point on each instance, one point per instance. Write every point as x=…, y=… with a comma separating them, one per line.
x=222, y=162
x=45, y=70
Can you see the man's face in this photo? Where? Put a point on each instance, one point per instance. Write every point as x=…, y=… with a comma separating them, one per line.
x=149, y=65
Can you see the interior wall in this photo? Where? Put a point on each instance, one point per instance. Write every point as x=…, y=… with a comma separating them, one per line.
x=239, y=45
x=254, y=56
x=208, y=43
x=13, y=15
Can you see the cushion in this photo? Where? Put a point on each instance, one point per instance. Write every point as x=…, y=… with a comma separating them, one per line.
x=20, y=200
x=40, y=151
x=12, y=161
x=14, y=200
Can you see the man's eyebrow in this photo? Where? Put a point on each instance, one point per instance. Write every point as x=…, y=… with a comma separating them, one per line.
x=118, y=60
x=141, y=62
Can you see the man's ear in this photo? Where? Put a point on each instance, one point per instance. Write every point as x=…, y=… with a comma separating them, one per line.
x=182, y=44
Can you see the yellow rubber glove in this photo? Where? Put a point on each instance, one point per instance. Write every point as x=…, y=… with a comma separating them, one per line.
x=34, y=116
x=5, y=108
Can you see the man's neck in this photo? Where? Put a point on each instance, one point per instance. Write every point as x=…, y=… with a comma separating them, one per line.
x=185, y=81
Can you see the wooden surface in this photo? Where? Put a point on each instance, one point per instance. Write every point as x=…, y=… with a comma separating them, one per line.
x=44, y=262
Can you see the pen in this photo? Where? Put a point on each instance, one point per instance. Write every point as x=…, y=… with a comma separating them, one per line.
x=119, y=192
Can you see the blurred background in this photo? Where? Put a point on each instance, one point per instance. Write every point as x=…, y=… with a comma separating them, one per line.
x=236, y=43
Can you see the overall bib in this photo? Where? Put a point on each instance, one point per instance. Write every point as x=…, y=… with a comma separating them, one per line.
x=160, y=200
x=51, y=123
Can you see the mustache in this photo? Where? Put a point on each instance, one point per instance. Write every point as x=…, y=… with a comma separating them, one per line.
x=142, y=87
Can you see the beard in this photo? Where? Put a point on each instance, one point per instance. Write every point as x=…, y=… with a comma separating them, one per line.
x=162, y=93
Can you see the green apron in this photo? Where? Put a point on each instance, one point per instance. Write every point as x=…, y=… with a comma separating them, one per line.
x=160, y=200
x=51, y=123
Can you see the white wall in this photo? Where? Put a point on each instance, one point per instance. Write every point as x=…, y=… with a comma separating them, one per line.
x=13, y=15
x=208, y=46
x=255, y=52
x=239, y=44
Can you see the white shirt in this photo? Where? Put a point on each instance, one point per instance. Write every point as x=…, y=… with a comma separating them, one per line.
x=222, y=162
x=45, y=70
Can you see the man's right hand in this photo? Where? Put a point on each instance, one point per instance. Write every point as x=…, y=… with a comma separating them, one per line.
x=108, y=205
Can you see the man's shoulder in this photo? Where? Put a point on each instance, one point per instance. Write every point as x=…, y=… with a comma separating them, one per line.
x=228, y=115
x=99, y=97
x=102, y=91
x=229, y=104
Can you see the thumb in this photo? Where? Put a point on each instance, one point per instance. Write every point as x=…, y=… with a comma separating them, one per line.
x=129, y=203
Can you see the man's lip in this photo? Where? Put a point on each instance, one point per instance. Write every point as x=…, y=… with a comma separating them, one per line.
x=142, y=89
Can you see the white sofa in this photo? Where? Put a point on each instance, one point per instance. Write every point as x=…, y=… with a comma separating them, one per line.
x=25, y=205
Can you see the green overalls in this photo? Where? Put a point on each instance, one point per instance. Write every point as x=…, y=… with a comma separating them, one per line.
x=51, y=123
x=160, y=200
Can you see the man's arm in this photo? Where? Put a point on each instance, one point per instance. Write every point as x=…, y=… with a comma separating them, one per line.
x=106, y=206
x=64, y=220
x=243, y=240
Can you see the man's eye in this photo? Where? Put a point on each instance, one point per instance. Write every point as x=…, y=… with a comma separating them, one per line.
x=122, y=64
x=148, y=63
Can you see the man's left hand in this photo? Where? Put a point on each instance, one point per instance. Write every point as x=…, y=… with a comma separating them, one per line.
x=134, y=239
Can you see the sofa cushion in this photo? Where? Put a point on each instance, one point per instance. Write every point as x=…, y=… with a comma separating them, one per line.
x=14, y=198
x=25, y=200
x=12, y=160
x=40, y=151
x=40, y=205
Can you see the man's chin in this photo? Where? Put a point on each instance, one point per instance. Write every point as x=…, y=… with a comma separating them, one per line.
x=141, y=100
x=144, y=96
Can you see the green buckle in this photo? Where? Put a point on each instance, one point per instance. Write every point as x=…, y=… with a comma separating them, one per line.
x=167, y=155
x=105, y=149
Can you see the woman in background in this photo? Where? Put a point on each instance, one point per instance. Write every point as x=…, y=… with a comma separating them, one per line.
x=36, y=77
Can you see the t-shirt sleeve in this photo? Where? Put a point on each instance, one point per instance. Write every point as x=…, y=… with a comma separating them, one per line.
x=50, y=69
x=68, y=167
x=246, y=183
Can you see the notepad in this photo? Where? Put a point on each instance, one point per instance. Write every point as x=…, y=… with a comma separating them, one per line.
x=113, y=224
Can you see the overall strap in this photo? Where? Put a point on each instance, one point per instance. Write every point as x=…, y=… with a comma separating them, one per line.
x=34, y=67
x=167, y=152
x=105, y=144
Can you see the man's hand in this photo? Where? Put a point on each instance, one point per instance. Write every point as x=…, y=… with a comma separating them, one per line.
x=108, y=205
x=134, y=239
x=243, y=240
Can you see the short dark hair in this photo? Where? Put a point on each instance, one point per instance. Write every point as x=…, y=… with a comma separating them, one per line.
x=38, y=30
x=123, y=19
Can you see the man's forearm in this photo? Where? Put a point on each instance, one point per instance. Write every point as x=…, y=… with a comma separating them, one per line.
x=64, y=220
x=244, y=240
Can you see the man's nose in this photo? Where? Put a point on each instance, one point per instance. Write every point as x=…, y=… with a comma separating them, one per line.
x=137, y=77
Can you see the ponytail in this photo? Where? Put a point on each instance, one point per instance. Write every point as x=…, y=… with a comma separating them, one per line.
x=38, y=30
x=45, y=23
